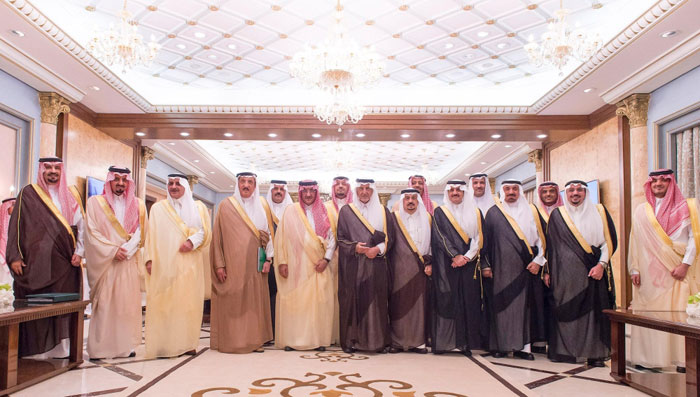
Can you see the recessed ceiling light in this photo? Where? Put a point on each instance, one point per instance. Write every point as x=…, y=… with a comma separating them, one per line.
x=448, y=46
x=181, y=46
x=94, y=88
x=542, y=136
x=211, y=56
x=405, y=135
x=509, y=146
x=228, y=135
x=231, y=46
x=230, y=185
x=483, y=163
x=664, y=35
x=200, y=35
x=316, y=135
x=272, y=135
x=450, y=136
x=212, y=172
x=18, y=33
x=587, y=90
x=482, y=34
x=171, y=143
x=183, y=133
x=140, y=133
x=496, y=136
x=360, y=135
x=502, y=45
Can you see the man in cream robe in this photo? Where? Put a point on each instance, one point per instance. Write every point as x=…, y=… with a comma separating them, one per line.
x=303, y=249
x=240, y=299
x=664, y=266
x=177, y=244
x=278, y=199
x=114, y=238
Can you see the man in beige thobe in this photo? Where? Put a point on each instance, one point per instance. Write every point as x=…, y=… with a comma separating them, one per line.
x=177, y=245
x=114, y=238
x=241, y=253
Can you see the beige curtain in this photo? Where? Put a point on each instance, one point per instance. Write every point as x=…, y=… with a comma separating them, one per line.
x=530, y=195
x=688, y=161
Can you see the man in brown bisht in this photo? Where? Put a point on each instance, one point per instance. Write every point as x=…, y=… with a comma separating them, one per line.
x=363, y=294
x=341, y=194
x=410, y=264
x=116, y=222
x=241, y=253
x=44, y=250
x=418, y=182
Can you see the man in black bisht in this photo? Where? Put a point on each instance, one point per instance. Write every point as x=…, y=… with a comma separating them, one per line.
x=515, y=254
x=458, y=322
x=581, y=238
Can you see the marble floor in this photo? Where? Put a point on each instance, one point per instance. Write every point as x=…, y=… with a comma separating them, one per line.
x=329, y=374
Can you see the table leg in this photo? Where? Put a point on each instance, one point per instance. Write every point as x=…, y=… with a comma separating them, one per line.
x=618, y=364
x=692, y=369
x=76, y=337
x=9, y=339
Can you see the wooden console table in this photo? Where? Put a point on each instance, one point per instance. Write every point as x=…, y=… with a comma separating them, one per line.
x=657, y=384
x=16, y=373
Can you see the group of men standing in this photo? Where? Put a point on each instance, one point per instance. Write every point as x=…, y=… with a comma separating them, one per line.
x=477, y=272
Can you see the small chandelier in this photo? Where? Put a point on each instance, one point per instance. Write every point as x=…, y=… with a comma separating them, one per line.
x=123, y=45
x=560, y=44
x=338, y=67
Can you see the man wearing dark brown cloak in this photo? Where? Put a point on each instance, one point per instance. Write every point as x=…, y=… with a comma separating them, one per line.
x=44, y=250
x=459, y=321
x=581, y=238
x=515, y=294
x=409, y=268
x=364, y=236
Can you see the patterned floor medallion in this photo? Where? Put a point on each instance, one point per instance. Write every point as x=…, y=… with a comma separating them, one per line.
x=334, y=356
x=327, y=384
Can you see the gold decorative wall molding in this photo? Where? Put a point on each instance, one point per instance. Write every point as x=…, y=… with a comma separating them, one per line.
x=384, y=198
x=146, y=154
x=52, y=105
x=635, y=107
x=535, y=157
x=193, y=180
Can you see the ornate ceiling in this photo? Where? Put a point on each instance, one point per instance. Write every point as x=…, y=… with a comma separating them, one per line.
x=437, y=52
x=323, y=160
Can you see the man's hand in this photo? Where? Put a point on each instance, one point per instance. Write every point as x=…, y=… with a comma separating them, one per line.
x=486, y=272
x=264, y=238
x=266, y=266
x=372, y=252
x=186, y=246
x=120, y=255
x=17, y=267
x=533, y=268
x=459, y=261
x=284, y=270
x=636, y=280
x=546, y=279
x=75, y=260
x=221, y=274
x=361, y=248
x=680, y=271
x=321, y=265
x=148, y=266
x=428, y=270
x=597, y=272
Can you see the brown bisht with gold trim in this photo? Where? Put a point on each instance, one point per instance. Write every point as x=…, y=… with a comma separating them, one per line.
x=579, y=327
x=40, y=236
x=240, y=306
x=459, y=320
x=363, y=283
x=408, y=300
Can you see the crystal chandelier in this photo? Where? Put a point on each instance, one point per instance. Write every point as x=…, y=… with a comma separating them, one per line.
x=123, y=45
x=338, y=68
x=560, y=44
